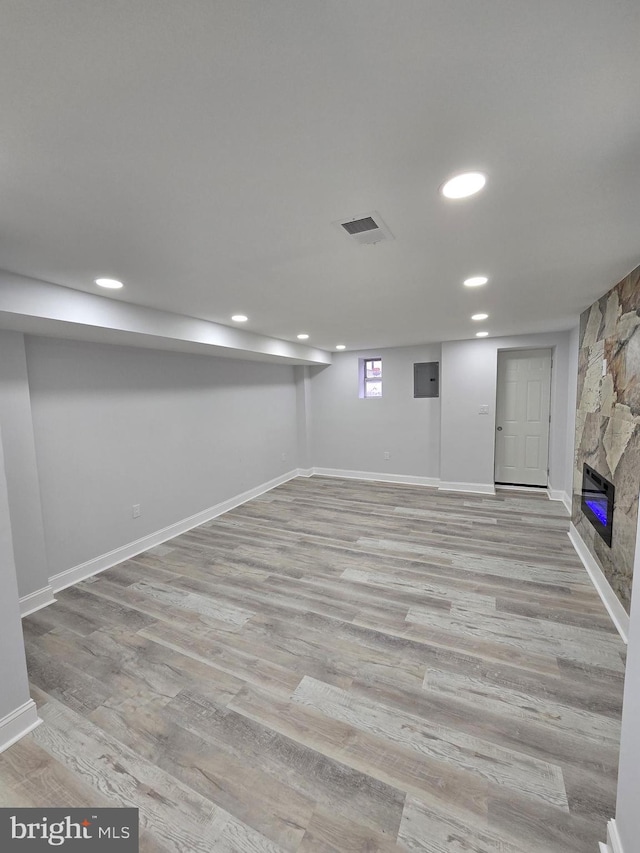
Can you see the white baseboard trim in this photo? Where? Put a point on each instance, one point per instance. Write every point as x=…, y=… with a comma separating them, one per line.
x=474, y=488
x=18, y=723
x=407, y=479
x=613, y=845
x=305, y=472
x=559, y=495
x=36, y=600
x=616, y=611
x=105, y=561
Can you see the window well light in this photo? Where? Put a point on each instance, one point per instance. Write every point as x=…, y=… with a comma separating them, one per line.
x=463, y=185
x=340, y=346
x=475, y=281
x=479, y=316
x=303, y=337
x=481, y=334
x=239, y=318
x=111, y=283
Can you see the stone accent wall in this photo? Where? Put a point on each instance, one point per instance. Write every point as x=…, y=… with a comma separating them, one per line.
x=608, y=423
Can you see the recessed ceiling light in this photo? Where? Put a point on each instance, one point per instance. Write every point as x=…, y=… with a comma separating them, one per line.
x=239, y=318
x=481, y=334
x=475, y=281
x=302, y=337
x=463, y=185
x=479, y=316
x=340, y=346
x=111, y=283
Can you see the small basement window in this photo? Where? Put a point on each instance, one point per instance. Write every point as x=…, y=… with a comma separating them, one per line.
x=371, y=385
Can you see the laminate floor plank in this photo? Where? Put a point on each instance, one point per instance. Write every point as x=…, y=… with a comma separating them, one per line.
x=184, y=820
x=103, y=588
x=566, y=612
x=517, y=771
x=387, y=761
x=443, y=635
x=193, y=603
x=325, y=558
x=305, y=638
x=304, y=555
x=335, y=666
x=436, y=536
x=248, y=666
x=269, y=806
x=297, y=599
x=525, y=633
x=538, y=709
x=563, y=748
x=340, y=789
x=522, y=566
x=328, y=832
x=425, y=829
x=396, y=601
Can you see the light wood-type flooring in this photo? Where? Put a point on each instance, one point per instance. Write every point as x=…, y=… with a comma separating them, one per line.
x=336, y=666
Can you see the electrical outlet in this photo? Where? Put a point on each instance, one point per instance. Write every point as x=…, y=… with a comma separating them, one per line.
x=284, y=456
x=136, y=510
x=387, y=455
x=484, y=409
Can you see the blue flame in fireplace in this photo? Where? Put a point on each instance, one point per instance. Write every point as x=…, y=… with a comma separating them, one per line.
x=599, y=509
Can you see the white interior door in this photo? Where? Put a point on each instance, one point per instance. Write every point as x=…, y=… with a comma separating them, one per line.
x=522, y=417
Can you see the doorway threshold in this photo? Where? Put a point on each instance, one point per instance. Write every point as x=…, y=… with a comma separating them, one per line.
x=517, y=487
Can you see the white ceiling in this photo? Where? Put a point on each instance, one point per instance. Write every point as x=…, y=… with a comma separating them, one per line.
x=200, y=151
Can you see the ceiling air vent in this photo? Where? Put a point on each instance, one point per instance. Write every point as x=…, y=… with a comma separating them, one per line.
x=368, y=229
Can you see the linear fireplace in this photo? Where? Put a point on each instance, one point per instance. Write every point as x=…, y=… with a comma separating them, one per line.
x=597, y=502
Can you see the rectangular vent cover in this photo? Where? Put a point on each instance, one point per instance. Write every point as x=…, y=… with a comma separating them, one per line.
x=357, y=226
x=367, y=229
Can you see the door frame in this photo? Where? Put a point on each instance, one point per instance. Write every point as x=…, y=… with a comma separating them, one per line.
x=552, y=349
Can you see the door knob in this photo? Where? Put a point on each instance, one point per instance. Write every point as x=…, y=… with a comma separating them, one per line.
x=499, y=429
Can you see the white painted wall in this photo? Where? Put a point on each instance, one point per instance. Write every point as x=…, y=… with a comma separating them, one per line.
x=180, y=433
x=41, y=308
x=303, y=416
x=14, y=687
x=627, y=812
x=350, y=433
x=468, y=380
x=572, y=402
x=20, y=463
x=116, y=426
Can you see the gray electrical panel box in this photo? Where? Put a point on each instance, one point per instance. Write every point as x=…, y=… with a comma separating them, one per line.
x=426, y=379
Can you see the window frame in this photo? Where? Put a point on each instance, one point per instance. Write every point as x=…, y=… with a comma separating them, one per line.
x=365, y=380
